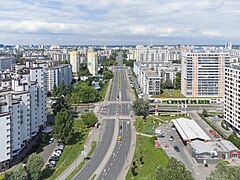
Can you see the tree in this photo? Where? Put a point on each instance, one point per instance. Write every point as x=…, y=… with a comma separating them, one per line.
x=205, y=113
x=59, y=104
x=89, y=119
x=141, y=107
x=224, y=171
x=167, y=85
x=9, y=175
x=87, y=94
x=174, y=170
x=63, y=127
x=177, y=83
x=107, y=74
x=20, y=172
x=34, y=166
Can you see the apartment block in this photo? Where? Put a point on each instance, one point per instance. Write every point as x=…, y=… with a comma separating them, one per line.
x=232, y=97
x=92, y=62
x=74, y=61
x=57, y=75
x=23, y=112
x=203, y=74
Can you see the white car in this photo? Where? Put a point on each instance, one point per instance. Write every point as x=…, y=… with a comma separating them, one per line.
x=171, y=138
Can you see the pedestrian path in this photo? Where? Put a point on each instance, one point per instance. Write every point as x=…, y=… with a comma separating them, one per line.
x=92, y=136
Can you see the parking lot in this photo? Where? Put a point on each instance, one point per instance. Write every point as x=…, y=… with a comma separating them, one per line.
x=199, y=170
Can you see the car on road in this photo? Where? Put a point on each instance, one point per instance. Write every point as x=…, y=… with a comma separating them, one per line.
x=119, y=138
x=176, y=149
x=171, y=138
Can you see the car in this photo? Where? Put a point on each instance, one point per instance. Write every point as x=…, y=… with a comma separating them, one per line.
x=120, y=127
x=171, y=138
x=119, y=138
x=176, y=149
x=59, y=152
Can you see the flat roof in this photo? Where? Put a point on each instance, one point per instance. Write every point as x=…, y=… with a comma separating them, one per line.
x=190, y=130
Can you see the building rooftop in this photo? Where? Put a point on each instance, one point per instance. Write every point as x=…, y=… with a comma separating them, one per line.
x=190, y=130
x=208, y=147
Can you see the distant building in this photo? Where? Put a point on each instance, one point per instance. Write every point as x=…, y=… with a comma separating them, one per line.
x=203, y=74
x=92, y=62
x=6, y=62
x=232, y=97
x=74, y=61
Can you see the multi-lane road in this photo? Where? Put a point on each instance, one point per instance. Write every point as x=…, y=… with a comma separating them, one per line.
x=110, y=155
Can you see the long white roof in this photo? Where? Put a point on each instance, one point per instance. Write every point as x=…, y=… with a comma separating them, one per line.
x=190, y=130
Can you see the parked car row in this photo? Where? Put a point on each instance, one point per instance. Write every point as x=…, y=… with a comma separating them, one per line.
x=55, y=156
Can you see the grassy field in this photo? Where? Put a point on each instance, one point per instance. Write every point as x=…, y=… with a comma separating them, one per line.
x=70, y=153
x=152, y=158
x=170, y=94
x=151, y=123
x=1, y=176
x=103, y=91
x=94, y=143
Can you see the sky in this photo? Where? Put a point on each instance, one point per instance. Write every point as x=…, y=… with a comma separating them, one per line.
x=119, y=22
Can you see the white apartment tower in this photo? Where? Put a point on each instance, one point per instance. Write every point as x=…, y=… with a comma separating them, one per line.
x=22, y=111
x=74, y=61
x=92, y=62
x=232, y=97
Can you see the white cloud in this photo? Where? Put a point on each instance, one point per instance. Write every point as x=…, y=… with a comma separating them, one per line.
x=136, y=20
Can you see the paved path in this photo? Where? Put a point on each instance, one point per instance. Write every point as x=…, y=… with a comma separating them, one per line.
x=145, y=135
x=48, y=151
x=92, y=136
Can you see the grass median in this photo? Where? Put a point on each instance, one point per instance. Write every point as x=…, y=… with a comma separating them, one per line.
x=70, y=153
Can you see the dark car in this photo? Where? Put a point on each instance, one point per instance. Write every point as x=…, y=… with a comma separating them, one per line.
x=176, y=149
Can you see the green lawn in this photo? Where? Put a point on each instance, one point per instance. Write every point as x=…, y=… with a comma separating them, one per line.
x=151, y=123
x=70, y=153
x=103, y=91
x=170, y=94
x=152, y=158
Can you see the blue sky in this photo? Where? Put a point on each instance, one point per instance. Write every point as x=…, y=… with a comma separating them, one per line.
x=119, y=22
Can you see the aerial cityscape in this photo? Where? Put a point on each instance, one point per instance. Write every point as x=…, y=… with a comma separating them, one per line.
x=114, y=90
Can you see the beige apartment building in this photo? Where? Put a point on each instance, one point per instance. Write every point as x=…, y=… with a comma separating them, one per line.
x=203, y=73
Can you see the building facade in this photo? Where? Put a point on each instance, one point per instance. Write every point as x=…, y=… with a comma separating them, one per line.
x=23, y=111
x=232, y=97
x=203, y=74
x=74, y=61
x=92, y=62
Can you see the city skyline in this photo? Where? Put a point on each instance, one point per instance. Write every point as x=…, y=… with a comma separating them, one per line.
x=119, y=23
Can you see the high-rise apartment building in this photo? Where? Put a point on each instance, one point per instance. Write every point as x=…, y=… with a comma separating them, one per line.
x=57, y=75
x=92, y=62
x=203, y=74
x=232, y=97
x=74, y=61
x=22, y=111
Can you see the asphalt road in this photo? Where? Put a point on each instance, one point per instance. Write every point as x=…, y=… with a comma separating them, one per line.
x=88, y=170
x=119, y=105
x=119, y=156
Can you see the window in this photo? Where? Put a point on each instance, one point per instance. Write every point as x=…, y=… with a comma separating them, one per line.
x=234, y=155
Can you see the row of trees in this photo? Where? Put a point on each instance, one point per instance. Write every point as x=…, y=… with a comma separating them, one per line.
x=30, y=171
x=174, y=170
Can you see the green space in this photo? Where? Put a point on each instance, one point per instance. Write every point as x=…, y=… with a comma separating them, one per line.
x=146, y=159
x=103, y=91
x=148, y=125
x=70, y=153
x=119, y=81
x=170, y=94
x=93, y=145
x=1, y=177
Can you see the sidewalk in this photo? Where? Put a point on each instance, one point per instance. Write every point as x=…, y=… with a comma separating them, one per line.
x=146, y=135
x=92, y=136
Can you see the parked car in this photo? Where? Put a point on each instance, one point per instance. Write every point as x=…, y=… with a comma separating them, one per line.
x=171, y=138
x=51, y=140
x=176, y=149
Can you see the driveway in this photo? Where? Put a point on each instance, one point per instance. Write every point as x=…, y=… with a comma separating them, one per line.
x=48, y=150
